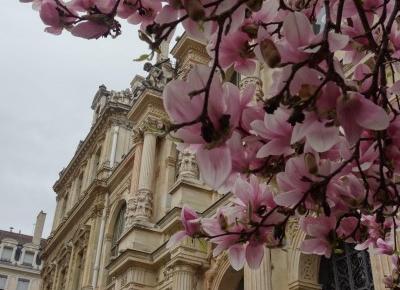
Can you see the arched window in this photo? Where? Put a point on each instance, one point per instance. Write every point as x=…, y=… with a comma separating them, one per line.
x=350, y=270
x=118, y=229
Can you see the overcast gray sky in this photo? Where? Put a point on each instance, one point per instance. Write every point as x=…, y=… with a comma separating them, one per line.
x=46, y=87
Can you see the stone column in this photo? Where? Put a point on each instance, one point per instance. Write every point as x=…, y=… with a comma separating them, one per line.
x=381, y=266
x=113, y=151
x=55, y=281
x=144, y=194
x=184, y=278
x=71, y=269
x=255, y=79
x=261, y=278
x=132, y=202
x=34, y=265
x=91, y=248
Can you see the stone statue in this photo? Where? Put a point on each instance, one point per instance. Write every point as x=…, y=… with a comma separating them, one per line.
x=144, y=204
x=187, y=165
x=158, y=75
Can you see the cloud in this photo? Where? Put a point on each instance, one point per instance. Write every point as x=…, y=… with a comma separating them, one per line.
x=47, y=86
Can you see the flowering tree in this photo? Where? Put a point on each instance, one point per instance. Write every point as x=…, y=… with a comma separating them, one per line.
x=324, y=147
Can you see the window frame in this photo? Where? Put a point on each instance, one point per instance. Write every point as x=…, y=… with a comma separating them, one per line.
x=23, y=280
x=11, y=255
x=33, y=258
x=2, y=276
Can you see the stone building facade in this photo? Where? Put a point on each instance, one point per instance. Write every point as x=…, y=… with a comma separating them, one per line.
x=119, y=201
x=20, y=258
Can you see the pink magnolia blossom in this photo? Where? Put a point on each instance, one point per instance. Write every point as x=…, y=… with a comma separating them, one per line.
x=356, y=112
x=320, y=230
x=139, y=12
x=191, y=224
x=318, y=134
x=276, y=131
x=234, y=51
x=225, y=105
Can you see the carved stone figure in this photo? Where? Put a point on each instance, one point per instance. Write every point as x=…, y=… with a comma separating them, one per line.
x=130, y=212
x=158, y=75
x=187, y=166
x=144, y=204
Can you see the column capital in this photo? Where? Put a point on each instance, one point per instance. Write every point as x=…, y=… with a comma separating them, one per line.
x=151, y=125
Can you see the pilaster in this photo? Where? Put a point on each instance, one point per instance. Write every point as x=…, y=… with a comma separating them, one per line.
x=115, y=131
x=132, y=201
x=261, y=278
x=144, y=195
x=184, y=277
x=91, y=248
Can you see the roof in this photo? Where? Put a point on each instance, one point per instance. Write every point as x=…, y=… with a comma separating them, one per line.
x=21, y=238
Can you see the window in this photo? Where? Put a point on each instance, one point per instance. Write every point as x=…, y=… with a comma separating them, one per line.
x=7, y=254
x=23, y=284
x=118, y=229
x=28, y=258
x=3, y=282
x=350, y=270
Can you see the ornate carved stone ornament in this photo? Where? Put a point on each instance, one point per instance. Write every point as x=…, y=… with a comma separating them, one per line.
x=211, y=273
x=152, y=125
x=158, y=75
x=252, y=80
x=131, y=206
x=144, y=204
x=187, y=166
x=137, y=136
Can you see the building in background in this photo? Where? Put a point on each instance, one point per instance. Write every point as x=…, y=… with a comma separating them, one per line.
x=119, y=201
x=20, y=258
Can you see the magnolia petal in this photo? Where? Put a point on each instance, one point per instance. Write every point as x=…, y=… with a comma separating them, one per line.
x=254, y=255
x=316, y=246
x=274, y=147
x=289, y=198
x=337, y=41
x=346, y=111
x=242, y=190
x=49, y=14
x=237, y=256
x=371, y=116
x=176, y=238
x=324, y=139
x=89, y=30
x=297, y=29
x=215, y=165
x=54, y=30
x=179, y=106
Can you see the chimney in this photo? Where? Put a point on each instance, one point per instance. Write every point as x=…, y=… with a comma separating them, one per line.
x=37, y=235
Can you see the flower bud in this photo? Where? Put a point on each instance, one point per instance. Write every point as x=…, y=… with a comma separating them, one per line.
x=311, y=163
x=270, y=53
x=176, y=4
x=195, y=9
x=254, y=5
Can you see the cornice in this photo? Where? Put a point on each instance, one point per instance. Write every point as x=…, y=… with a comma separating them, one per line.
x=150, y=102
x=186, y=44
x=113, y=112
